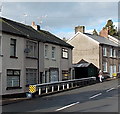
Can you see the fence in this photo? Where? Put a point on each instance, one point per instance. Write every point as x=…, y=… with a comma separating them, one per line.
x=52, y=87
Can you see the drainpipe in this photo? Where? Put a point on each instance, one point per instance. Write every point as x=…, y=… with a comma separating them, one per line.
x=38, y=65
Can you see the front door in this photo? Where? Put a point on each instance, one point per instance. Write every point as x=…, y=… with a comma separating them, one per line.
x=54, y=75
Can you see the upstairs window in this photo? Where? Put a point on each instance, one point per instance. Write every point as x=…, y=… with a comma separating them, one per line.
x=111, y=52
x=104, y=51
x=53, y=52
x=118, y=53
x=32, y=47
x=114, y=53
x=65, y=53
x=46, y=51
x=13, y=47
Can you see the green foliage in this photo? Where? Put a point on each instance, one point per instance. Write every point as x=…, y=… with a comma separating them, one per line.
x=111, y=28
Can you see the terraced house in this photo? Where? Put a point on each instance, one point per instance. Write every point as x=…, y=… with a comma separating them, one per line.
x=102, y=50
x=29, y=56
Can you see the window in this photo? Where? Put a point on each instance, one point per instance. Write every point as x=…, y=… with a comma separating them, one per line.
x=53, y=52
x=65, y=53
x=114, y=68
x=65, y=74
x=0, y=45
x=13, y=78
x=32, y=46
x=118, y=53
x=46, y=51
x=114, y=53
x=104, y=66
x=104, y=51
x=111, y=52
x=31, y=76
x=119, y=68
x=13, y=47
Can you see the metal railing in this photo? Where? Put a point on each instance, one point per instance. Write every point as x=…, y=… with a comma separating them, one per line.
x=52, y=87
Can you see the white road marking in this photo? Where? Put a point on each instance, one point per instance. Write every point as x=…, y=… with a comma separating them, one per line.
x=110, y=89
x=118, y=86
x=95, y=96
x=67, y=106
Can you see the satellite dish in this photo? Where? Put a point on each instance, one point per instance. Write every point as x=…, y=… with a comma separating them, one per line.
x=27, y=50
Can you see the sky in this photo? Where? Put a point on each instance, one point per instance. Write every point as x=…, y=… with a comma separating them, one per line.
x=60, y=18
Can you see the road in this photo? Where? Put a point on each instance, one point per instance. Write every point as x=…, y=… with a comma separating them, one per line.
x=100, y=97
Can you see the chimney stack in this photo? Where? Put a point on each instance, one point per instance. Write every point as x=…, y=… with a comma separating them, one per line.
x=80, y=29
x=104, y=32
x=36, y=27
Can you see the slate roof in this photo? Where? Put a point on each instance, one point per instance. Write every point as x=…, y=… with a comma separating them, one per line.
x=12, y=27
x=83, y=63
x=101, y=40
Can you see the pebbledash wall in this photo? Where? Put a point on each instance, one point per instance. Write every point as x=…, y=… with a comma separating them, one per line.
x=12, y=63
x=58, y=63
x=21, y=65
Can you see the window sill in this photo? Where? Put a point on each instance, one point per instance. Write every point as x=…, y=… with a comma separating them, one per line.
x=32, y=58
x=53, y=59
x=104, y=55
x=14, y=57
x=113, y=57
x=105, y=71
x=1, y=55
x=64, y=58
x=11, y=88
x=46, y=58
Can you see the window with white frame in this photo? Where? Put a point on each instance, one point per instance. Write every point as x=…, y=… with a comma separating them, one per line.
x=104, y=66
x=114, y=53
x=32, y=47
x=119, y=68
x=111, y=52
x=65, y=53
x=104, y=51
x=31, y=76
x=13, y=78
x=53, y=52
x=46, y=51
x=118, y=53
x=114, y=68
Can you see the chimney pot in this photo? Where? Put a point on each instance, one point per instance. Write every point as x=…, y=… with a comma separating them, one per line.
x=33, y=23
x=36, y=27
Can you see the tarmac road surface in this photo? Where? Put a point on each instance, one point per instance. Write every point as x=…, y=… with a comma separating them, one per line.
x=100, y=97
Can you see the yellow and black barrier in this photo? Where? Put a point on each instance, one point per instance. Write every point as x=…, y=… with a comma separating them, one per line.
x=32, y=89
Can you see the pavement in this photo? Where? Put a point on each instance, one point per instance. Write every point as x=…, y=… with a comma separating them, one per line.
x=7, y=101
x=11, y=100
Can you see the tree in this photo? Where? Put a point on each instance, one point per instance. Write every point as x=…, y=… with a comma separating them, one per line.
x=95, y=32
x=111, y=28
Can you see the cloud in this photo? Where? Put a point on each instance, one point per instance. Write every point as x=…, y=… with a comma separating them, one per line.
x=62, y=17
